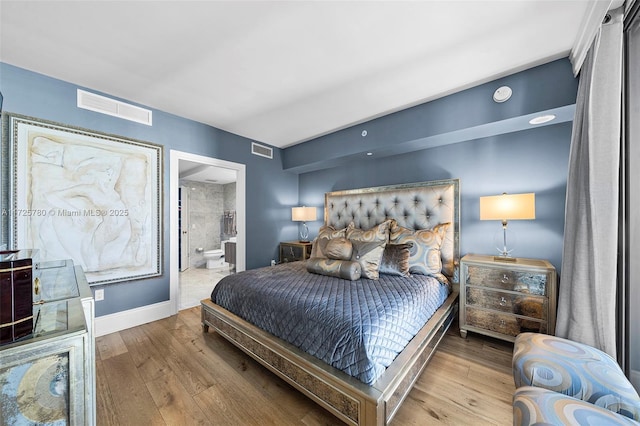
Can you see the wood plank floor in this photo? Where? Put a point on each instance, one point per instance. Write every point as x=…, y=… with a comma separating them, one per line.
x=170, y=373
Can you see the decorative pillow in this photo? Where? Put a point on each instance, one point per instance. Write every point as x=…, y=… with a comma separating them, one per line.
x=395, y=259
x=424, y=256
x=326, y=233
x=344, y=269
x=368, y=254
x=377, y=233
x=338, y=248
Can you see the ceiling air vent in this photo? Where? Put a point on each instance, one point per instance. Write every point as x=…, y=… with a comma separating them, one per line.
x=109, y=106
x=261, y=150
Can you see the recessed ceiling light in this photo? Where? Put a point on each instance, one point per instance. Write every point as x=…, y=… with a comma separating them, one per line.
x=542, y=119
x=369, y=153
x=502, y=94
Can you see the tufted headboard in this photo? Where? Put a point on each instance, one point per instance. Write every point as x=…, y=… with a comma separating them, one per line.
x=415, y=205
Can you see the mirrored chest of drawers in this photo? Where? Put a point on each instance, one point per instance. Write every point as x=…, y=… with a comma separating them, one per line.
x=48, y=377
x=504, y=298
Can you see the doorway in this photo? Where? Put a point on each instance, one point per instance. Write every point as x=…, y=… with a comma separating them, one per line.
x=192, y=165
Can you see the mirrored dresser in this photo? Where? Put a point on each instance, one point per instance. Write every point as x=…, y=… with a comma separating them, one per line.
x=48, y=377
x=501, y=298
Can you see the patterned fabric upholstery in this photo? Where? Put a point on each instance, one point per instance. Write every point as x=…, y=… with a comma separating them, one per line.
x=325, y=234
x=537, y=406
x=368, y=246
x=424, y=255
x=573, y=369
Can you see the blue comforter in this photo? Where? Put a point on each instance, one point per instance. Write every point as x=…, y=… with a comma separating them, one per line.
x=358, y=326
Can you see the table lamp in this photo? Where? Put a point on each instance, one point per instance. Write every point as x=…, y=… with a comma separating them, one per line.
x=504, y=208
x=304, y=214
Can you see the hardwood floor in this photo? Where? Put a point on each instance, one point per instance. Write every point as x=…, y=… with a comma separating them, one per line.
x=170, y=373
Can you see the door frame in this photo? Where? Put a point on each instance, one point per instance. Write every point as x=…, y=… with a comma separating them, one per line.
x=174, y=250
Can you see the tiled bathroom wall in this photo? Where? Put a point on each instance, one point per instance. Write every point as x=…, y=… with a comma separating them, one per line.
x=207, y=203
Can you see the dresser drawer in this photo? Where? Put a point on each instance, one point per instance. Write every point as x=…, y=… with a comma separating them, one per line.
x=505, y=279
x=514, y=303
x=506, y=324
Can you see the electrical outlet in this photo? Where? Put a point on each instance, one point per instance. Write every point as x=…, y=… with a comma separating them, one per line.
x=99, y=295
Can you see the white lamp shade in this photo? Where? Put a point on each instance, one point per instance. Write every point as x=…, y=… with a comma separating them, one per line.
x=304, y=214
x=508, y=207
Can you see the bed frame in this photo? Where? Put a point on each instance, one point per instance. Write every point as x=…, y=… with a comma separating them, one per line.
x=418, y=206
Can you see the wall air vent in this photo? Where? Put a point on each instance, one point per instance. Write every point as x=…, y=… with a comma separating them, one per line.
x=104, y=105
x=261, y=150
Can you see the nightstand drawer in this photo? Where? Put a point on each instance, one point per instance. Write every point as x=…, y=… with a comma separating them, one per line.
x=505, y=324
x=514, y=303
x=505, y=279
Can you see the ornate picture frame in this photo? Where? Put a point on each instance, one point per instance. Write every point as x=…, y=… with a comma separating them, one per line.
x=88, y=196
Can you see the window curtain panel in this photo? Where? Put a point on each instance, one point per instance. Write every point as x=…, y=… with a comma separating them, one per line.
x=587, y=295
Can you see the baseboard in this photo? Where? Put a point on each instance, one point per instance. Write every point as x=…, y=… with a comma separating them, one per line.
x=635, y=379
x=112, y=323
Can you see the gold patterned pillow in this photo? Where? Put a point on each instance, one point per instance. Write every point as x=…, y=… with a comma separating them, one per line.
x=325, y=234
x=377, y=233
x=425, y=258
x=368, y=246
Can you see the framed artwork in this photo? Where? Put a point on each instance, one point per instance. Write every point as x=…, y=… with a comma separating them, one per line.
x=83, y=195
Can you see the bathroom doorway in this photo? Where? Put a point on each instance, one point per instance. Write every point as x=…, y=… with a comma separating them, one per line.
x=207, y=213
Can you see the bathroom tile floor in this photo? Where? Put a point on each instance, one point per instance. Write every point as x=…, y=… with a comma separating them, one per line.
x=197, y=283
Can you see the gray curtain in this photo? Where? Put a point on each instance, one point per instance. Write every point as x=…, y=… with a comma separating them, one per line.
x=587, y=295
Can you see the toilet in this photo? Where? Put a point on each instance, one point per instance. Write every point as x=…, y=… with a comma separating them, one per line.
x=215, y=258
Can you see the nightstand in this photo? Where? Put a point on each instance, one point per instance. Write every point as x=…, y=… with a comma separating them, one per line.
x=505, y=298
x=294, y=250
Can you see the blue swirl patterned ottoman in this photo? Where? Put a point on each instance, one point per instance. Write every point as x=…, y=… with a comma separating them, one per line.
x=537, y=406
x=573, y=369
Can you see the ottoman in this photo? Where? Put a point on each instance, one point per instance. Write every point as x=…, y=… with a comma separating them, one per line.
x=574, y=369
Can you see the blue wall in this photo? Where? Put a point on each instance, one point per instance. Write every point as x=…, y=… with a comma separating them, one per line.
x=268, y=200
x=526, y=161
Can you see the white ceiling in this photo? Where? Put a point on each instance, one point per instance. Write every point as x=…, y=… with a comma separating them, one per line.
x=198, y=172
x=284, y=72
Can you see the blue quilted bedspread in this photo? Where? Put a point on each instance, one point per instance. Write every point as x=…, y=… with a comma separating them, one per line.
x=358, y=326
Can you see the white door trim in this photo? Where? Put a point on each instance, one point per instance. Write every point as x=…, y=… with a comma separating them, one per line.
x=174, y=252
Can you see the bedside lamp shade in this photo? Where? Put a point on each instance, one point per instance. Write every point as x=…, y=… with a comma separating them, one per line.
x=507, y=207
x=304, y=214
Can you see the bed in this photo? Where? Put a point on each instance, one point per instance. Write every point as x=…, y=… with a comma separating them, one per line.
x=367, y=394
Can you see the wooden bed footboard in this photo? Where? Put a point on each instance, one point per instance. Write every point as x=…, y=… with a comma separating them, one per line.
x=346, y=397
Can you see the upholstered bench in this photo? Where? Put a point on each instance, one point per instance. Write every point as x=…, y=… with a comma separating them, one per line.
x=562, y=367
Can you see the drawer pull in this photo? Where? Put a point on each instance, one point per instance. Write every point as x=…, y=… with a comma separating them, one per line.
x=503, y=301
x=505, y=279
